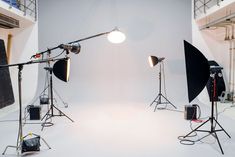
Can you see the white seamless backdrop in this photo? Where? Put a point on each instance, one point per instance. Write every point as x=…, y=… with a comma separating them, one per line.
x=105, y=72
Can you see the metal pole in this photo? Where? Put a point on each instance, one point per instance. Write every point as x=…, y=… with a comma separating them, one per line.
x=160, y=82
x=204, y=6
x=213, y=95
x=20, y=133
x=24, y=7
x=10, y=4
x=233, y=73
x=35, y=8
x=194, y=9
x=231, y=43
x=51, y=93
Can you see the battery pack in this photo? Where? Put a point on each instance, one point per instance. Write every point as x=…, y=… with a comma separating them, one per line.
x=34, y=112
x=190, y=112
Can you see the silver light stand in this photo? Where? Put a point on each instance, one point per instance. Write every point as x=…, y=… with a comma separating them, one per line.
x=20, y=137
x=160, y=96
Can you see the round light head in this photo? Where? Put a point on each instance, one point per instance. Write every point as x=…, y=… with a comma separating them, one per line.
x=75, y=48
x=153, y=60
x=116, y=36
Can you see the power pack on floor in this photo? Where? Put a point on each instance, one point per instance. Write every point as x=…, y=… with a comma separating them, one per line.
x=190, y=112
x=34, y=112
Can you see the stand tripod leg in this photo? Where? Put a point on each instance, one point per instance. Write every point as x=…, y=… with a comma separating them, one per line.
x=222, y=128
x=204, y=137
x=196, y=129
x=47, y=113
x=16, y=147
x=216, y=137
x=65, y=104
x=211, y=132
x=154, y=100
x=46, y=143
x=45, y=123
x=156, y=107
x=160, y=102
x=168, y=101
x=63, y=114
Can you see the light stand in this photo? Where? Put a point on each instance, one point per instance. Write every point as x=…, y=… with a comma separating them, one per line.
x=20, y=131
x=44, y=98
x=158, y=100
x=50, y=113
x=212, y=118
x=20, y=137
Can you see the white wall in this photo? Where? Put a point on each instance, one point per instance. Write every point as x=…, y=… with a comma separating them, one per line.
x=212, y=44
x=24, y=44
x=3, y=35
x=105, y=72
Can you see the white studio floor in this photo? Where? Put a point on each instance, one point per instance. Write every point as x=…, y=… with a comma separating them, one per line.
x=119, y=130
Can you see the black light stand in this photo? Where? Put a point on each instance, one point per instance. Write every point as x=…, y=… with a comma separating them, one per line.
x=20, y=137
x=212, y=119
x=158, y=99
x=50, y=113
x=42, y=98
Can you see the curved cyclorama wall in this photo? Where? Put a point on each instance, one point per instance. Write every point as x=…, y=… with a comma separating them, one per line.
x=105, y=72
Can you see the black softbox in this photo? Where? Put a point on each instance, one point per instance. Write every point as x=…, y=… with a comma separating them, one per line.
x=197, y=70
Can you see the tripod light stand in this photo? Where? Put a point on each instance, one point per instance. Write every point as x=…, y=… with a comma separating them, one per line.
x=212, y=120
x=198, y=73
x=43, y=97
x=61, y=69
x=153, y=60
